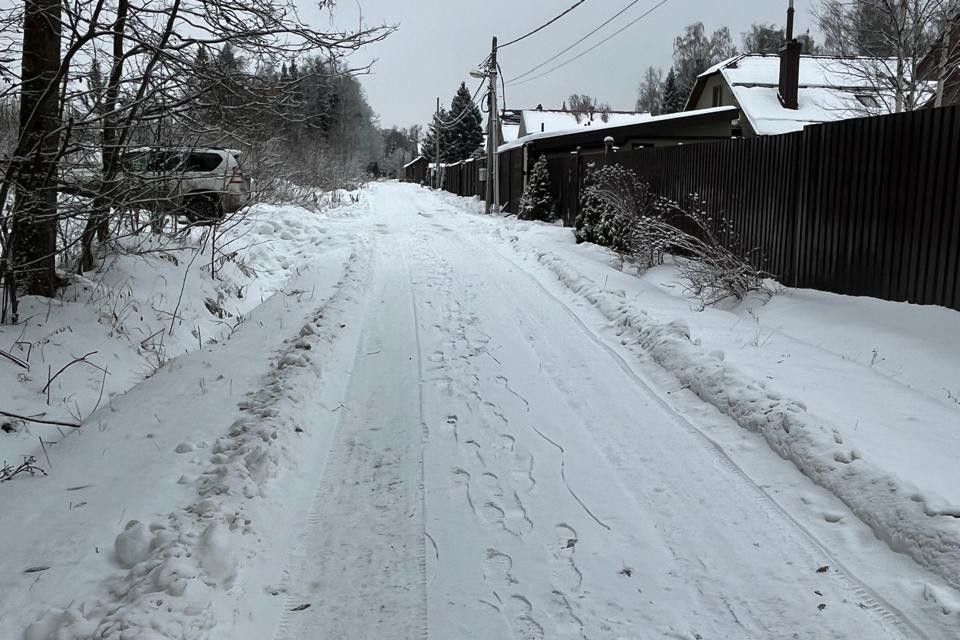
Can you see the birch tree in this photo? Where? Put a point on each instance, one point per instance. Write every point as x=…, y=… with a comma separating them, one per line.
x=884, y=42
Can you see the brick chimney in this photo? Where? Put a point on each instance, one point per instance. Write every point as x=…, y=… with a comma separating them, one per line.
x=790, y=67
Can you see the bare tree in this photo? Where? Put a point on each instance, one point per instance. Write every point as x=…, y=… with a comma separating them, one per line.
x=650, y=92
x=581, y=105
x=883, y=44
x=162, y=87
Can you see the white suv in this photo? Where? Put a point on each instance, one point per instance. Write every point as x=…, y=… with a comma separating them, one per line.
x=199, y=183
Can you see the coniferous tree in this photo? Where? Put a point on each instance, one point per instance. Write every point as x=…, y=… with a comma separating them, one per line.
x=537, y=201
x=465, y=133
x=673, y=100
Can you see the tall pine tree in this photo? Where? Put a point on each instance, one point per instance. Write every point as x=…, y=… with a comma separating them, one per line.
x=465, y=133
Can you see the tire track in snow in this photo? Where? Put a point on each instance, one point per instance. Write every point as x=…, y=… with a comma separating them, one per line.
x=360, y=565
x=425, y=438
x=869, y=599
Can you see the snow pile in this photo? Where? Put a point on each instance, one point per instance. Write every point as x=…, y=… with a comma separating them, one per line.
x=910, y=521
x=132, y=545
x=175, y=566
x=152, y=299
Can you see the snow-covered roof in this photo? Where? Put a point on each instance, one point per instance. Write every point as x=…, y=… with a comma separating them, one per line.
x=830, y=89
x=598, y=125
x=547, y=121
x=414, y=161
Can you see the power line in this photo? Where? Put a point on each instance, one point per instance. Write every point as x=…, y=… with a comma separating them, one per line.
x=463, y=114
x=560, y=53
x=604, y=41
x=504, y=85
x=543, y=26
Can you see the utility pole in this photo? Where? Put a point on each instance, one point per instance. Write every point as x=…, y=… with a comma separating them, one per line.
x=495, y=112
x=493, y=136
x=436, y=144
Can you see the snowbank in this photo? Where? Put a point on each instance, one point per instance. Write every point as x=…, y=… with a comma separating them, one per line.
x=878, y=482
x=152, y=299
x=134, y=552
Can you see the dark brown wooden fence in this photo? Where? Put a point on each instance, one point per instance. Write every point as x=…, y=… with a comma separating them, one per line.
x=861, y=207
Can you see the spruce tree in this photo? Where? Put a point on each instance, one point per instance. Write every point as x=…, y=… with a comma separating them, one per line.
x=673, y=100
x=465, y=133
x=537, y=201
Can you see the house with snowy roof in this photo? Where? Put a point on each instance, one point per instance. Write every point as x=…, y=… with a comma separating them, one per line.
x=542, y=120
x=518, y=123
x=786, y=92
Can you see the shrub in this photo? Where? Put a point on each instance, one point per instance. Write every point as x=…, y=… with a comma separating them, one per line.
x=537, y=201
x=618, y=210
x=612, y=200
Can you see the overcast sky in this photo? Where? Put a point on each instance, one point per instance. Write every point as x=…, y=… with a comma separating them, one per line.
x=439, y=41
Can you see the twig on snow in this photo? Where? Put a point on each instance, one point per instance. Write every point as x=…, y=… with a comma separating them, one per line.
x=15, y=360
x=73, y=425
x=82, y=358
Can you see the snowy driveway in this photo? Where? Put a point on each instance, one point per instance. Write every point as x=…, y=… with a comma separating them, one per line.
x=481, y=462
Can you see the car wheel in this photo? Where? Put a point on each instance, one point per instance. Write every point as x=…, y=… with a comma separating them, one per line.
x=201, y=209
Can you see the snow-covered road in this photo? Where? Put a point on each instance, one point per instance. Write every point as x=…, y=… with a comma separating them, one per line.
x=467, y=454
x=500, y=473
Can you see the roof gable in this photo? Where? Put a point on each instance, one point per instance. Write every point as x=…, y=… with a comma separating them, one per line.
x=829, y=90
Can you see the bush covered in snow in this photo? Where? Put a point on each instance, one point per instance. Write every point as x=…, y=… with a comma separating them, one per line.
x=613, y=199
x=619, y=210
x=537, y=202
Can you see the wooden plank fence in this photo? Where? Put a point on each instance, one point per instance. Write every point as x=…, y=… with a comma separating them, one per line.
x=867, y=207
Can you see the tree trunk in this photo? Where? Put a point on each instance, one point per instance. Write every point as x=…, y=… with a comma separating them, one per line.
x=99, y=221
x=944, y=65
x=34, y=231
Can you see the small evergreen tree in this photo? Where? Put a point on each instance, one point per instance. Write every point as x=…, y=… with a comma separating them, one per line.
x=537, y=201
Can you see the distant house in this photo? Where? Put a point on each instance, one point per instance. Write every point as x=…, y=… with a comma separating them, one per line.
x=416, y=170
x=660, y=131
x=821, y=89
x=542, y=120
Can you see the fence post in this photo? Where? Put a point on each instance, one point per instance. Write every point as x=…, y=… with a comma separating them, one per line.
x=575, y=189
x=807, y=146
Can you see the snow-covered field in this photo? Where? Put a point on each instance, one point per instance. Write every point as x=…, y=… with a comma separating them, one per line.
x=416, y=421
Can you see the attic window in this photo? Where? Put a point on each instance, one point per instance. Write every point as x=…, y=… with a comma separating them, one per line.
x=868, y=100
